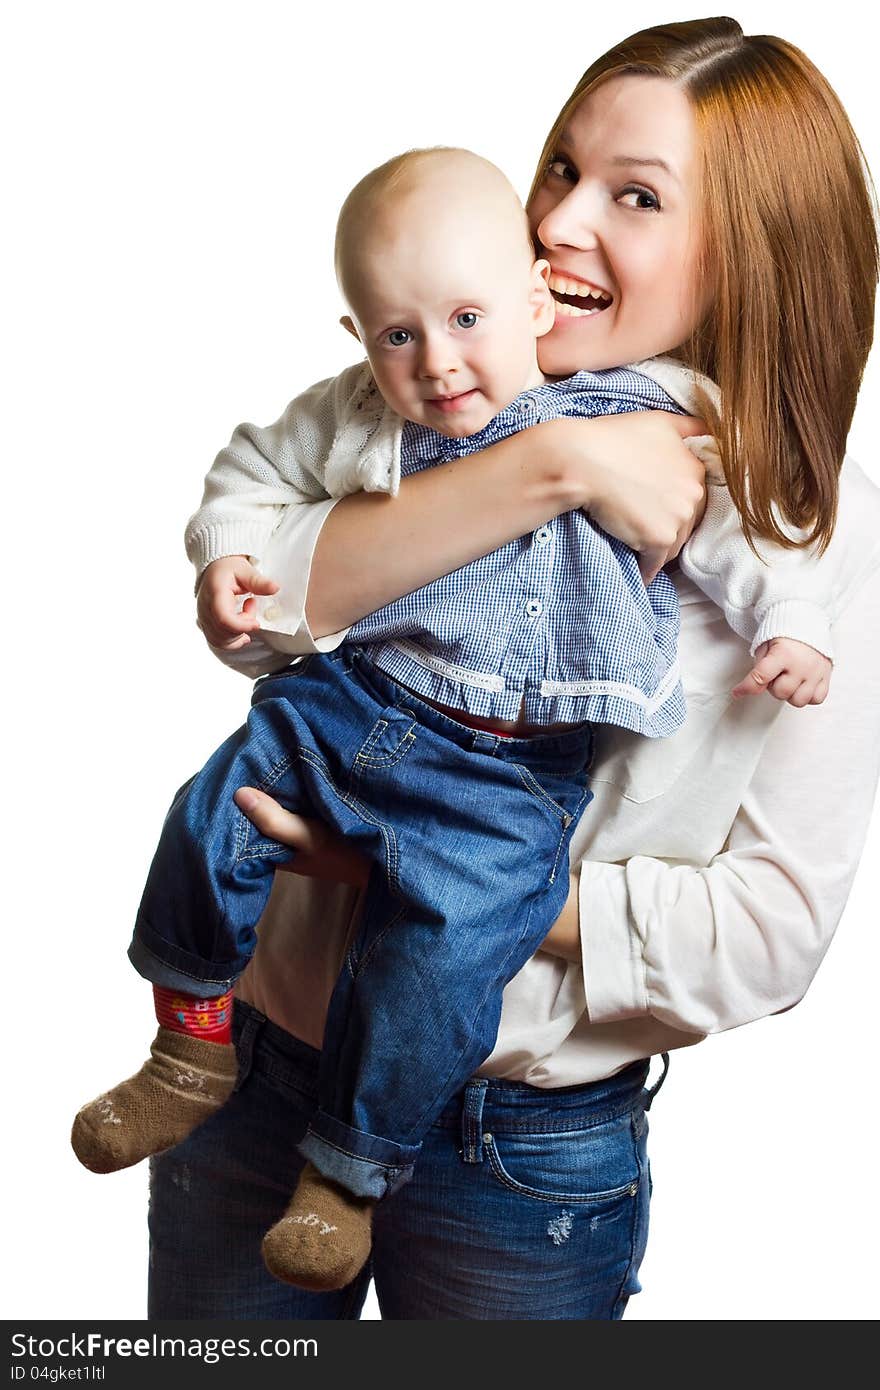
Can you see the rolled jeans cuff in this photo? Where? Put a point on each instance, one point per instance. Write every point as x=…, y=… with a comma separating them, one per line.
x=160, y=972
x=363, y=1163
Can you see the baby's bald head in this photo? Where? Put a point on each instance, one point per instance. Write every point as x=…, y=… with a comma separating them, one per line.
x=432, y=195
x=435, y=261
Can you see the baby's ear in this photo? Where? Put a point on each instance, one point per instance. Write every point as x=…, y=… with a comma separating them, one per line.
x=541, y=300
x=348, y=325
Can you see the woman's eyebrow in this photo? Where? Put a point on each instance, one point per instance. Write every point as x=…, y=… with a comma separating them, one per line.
x=640, y=160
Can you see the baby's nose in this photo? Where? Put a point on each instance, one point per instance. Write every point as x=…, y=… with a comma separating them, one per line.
x=437, y=358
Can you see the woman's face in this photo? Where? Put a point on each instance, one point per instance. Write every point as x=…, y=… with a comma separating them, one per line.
x=617, y=214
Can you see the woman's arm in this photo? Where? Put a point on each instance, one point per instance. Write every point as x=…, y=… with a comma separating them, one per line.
x=336, y=561
x=630, y=472
x=707, y=949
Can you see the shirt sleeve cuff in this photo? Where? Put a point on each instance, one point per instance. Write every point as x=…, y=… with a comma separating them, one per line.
x=256, y=659
x=614, y=975
x=288, y=559
x=798, y=619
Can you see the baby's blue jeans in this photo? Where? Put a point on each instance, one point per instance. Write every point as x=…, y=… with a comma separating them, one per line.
x=469, y=835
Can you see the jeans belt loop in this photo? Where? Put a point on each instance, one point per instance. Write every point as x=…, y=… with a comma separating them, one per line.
x=652, y=1090
x=483, y=742
x=247, y=1041
x=472, y=1120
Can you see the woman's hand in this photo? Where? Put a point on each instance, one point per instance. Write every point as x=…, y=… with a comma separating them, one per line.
x=644, y=486
x=320, y=853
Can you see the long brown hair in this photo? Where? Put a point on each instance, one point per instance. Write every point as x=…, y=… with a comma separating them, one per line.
x=790, y=240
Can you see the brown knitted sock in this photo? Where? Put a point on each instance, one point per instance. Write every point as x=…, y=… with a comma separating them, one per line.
x=185, y=1081
x=323, y=1239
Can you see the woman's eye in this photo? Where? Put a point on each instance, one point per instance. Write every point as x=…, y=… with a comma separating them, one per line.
x=642, y=199
x=561, y=169
x=398, y=337
x=467, y=320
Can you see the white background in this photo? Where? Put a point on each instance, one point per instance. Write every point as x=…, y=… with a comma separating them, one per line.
x=172, y=182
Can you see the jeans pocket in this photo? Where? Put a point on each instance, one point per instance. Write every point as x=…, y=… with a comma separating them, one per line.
x=595, y=1165
x=560, y=799
x=389, y=740
x=564, y=797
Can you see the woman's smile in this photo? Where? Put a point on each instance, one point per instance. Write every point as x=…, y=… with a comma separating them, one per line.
x=575, y=298
x=616, y=217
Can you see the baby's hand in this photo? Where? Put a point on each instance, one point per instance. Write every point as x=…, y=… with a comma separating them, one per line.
x=788, y=670
x=220, y=587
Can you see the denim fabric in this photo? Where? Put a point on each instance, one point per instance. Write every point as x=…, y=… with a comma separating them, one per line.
x=469, y=834
x=525, y=1204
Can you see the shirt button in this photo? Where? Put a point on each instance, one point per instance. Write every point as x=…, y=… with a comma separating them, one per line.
x=271, y=611
x=534, y=608
x=542, y=535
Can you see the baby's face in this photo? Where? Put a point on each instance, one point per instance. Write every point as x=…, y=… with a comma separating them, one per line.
x=448, y=304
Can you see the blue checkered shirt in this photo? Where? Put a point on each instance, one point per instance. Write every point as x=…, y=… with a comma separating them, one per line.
x=557, y=624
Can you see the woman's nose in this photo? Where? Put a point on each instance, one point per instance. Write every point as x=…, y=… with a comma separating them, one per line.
x=573, y=221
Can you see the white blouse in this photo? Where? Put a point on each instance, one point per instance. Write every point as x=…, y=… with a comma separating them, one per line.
x=714, y=865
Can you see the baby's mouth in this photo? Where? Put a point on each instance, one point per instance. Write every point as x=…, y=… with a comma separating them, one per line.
x=576, y=299
x=451, y=403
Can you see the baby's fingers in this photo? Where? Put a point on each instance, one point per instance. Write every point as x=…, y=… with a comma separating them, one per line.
x=221, y=620
x=762, y=676
x=261, y=584
x=810, y=692
x=820, y=694
x=786, y=687
x=233, y=644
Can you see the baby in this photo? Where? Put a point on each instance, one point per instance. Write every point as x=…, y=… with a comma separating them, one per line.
x=449, y=734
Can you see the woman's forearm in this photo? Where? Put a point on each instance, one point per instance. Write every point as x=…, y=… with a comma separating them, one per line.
x=374, y=548
x=564, y=937
x=630, y=472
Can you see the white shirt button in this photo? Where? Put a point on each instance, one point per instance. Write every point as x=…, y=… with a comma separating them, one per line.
x=534, y=608
x=542, y=535
x=271, y=611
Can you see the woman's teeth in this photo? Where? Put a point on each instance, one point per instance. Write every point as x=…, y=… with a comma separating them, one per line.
x=569, y=311
x=576, y=289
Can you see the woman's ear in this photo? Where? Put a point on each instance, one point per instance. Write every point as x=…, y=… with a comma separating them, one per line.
x=541, y=300
x=348, y=325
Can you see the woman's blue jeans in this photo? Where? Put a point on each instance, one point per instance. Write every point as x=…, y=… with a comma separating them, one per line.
x=525, y=1203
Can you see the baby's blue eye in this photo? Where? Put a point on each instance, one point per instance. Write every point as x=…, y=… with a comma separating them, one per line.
x=399, y=337
x=466, y=320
